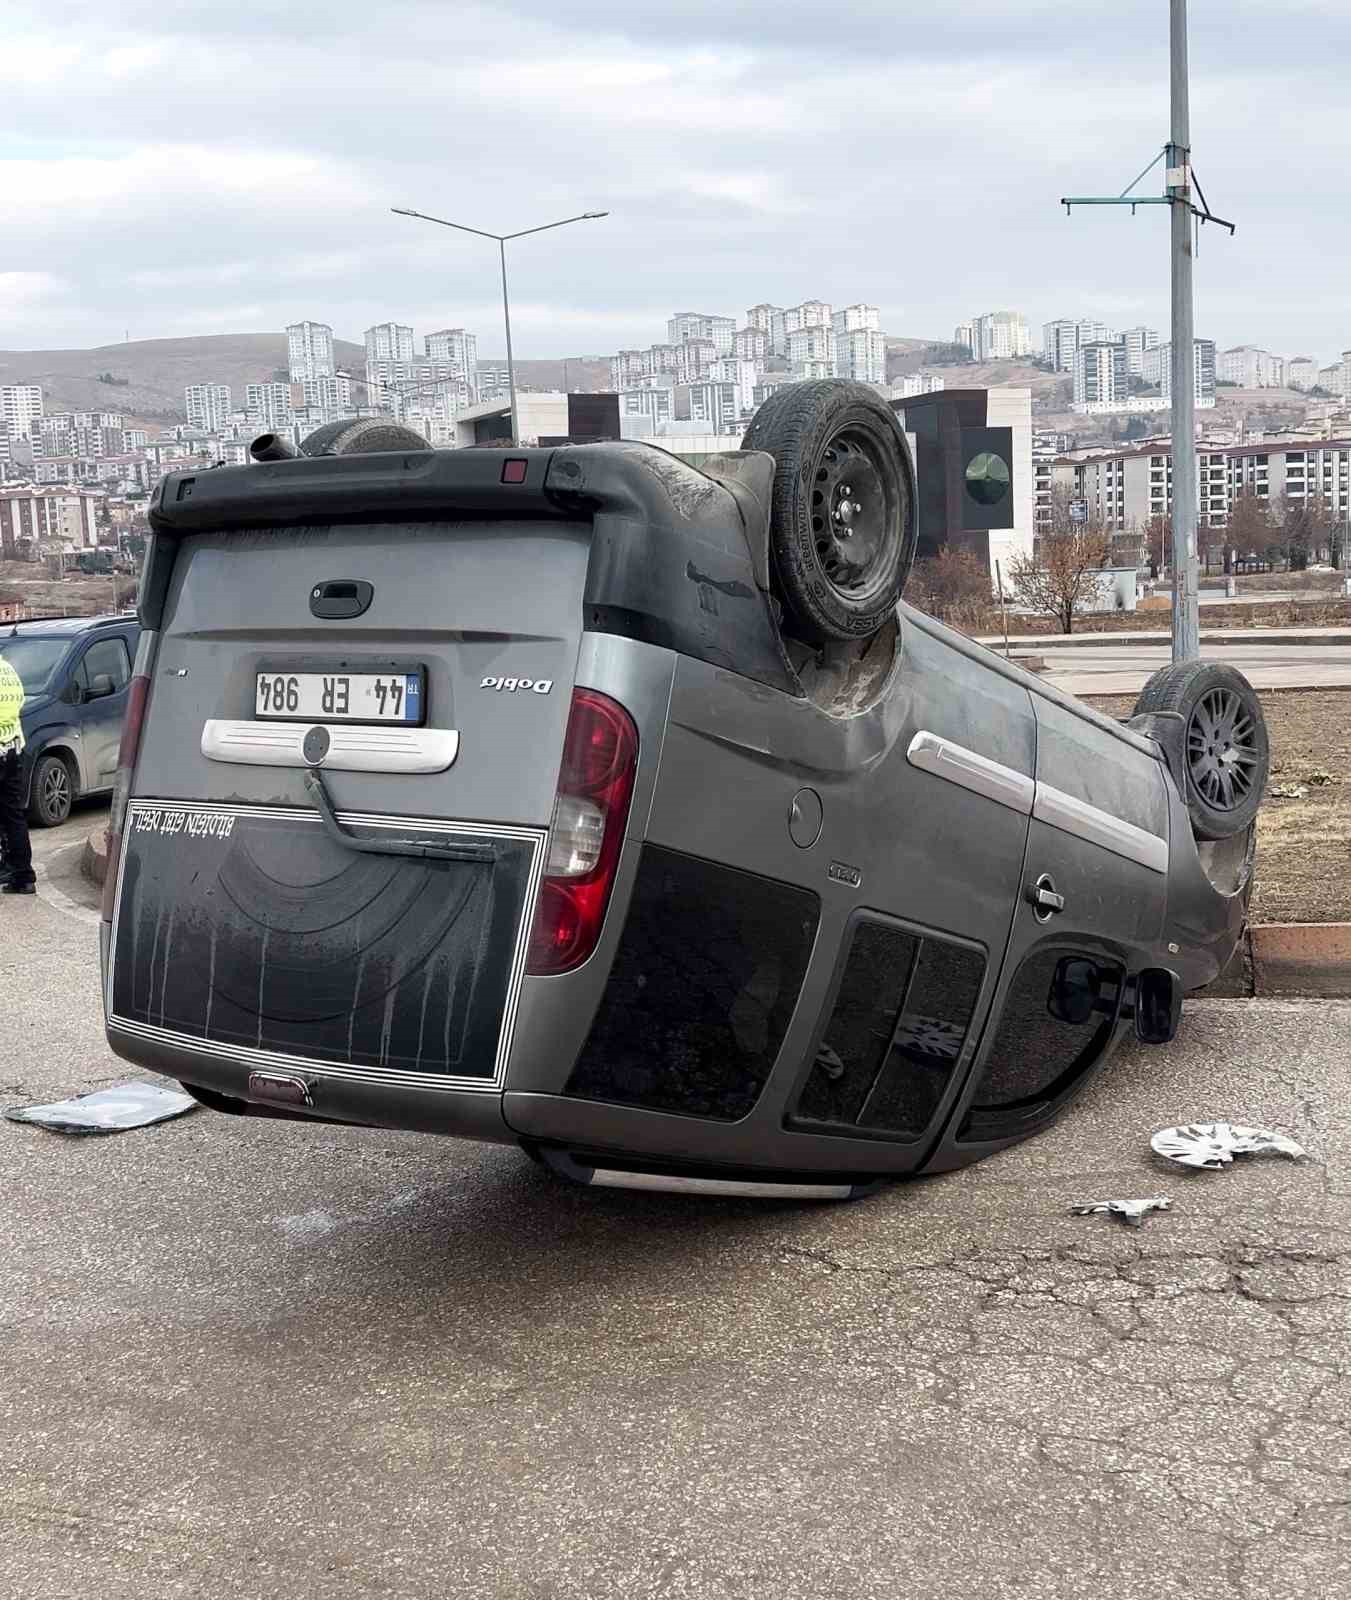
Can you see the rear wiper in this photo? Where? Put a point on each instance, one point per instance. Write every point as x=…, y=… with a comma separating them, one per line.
x=484, y=853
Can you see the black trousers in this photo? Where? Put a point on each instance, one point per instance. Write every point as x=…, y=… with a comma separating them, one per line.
x=16, y=862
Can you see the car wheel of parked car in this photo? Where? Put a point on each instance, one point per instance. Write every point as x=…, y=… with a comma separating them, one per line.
x=52, y=792
x=1226, y=753
x=842, y=524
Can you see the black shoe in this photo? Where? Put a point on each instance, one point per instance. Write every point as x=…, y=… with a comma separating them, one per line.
x=18, y=888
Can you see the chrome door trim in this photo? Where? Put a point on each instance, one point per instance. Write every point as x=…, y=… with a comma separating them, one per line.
x=1073, y=816
x=956, y=764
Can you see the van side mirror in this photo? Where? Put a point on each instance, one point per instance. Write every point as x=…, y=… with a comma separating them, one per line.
x=101, y=686
x=1158, y=1005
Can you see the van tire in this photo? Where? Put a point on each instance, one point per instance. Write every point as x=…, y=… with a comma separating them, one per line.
x=842, y=528
x=51, y=792
x=1226, y=756
x=357, y=435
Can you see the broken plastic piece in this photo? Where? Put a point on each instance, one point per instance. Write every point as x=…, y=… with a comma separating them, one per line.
x=1289, y=791
x=1215, y=1144
x=128, y=1105
x=1131, y=1212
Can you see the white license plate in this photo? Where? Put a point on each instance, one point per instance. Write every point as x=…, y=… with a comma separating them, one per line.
x=339, y=696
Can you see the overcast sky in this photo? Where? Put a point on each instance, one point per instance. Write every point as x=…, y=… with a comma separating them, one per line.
x=187, y=168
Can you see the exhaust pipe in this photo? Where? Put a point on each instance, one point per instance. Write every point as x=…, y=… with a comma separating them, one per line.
x=272, y=447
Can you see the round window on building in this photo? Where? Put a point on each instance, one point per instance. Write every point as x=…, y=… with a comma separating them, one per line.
x=987, y=478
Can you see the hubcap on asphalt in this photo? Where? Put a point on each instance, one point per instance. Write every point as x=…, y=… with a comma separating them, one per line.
x=1222, y=749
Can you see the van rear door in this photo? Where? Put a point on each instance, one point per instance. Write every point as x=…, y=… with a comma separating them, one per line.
x=412, y=677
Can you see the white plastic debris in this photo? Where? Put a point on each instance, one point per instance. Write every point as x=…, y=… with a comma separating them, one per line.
x=1131, y=1212
x=1215, y=1144
x=128, y=1105
x=1289, y=791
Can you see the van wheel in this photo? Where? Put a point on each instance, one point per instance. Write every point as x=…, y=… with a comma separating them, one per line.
x=842, y=517
x=1225, y=749
x=52, y=792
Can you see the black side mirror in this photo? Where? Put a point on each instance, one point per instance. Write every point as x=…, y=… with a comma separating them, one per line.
x=101, y=686
x=1076, y=991
x=1158, y=1005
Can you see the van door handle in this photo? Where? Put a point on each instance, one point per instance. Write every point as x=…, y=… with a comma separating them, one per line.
x=1045, y=901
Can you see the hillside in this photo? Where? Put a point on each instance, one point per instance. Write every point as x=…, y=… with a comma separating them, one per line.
x=149, y=375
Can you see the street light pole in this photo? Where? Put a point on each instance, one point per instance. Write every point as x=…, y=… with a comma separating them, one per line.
x=503, y=239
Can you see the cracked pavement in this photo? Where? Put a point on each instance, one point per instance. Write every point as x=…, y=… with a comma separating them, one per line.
x=257, y=1360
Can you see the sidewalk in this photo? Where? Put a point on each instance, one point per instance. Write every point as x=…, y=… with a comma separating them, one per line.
x=1110, y=641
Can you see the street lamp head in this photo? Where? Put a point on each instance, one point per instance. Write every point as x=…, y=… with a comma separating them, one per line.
x=590, y=216
x=402, y=211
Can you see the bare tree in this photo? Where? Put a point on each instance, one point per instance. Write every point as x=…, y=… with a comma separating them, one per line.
x=1249, y=529
x=1063, y=578
x=954, y=586
x=1159, y=542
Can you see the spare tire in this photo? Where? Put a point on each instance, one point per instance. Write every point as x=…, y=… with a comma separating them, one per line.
x=842, y=512
x=356, y=435
x=1226, y=754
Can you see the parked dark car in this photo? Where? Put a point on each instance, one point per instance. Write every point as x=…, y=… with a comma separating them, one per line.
x=75, y=672
x=585, y=800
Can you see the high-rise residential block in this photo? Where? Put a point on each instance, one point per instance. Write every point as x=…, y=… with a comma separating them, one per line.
x=309, y=347
x=268, y=405
x=1203, y=371
x=751, y=344
x=208, y=406
x=1137, y=341
x=20, y=408
x=812, y=350
x=1251, y=368
x=1000, y=336
x=1301, y=372
x=861, y=354
x=389, y=359
x=1099, y=376
x=964, y=334
x=685, y=325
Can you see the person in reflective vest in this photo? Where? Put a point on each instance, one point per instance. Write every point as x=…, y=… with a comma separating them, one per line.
x=16, y=862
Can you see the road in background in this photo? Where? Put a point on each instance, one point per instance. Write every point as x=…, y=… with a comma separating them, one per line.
x=1114, y=668
x=319, y=1363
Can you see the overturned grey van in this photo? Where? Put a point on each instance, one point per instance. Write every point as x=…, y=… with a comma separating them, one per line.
x=584, y=800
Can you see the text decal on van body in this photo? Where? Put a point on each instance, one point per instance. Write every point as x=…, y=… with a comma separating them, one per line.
x=535, y=685
x=195, y=824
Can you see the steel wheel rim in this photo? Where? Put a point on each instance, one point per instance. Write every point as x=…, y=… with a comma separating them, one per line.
x=56, y=789
x=1222, y=755
x=852, y=510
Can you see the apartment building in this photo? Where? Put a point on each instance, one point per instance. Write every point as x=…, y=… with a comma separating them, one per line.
x=91, y=434
x=688, y=325
x=47, y=516
x=742, y=375
x=964, y=334
x=20, y=408
x=456, y=350
x=309, y=348
x=1062, y=340
x=751, y=344
x=861, y=354
x=208, y=405
x=1137, y=341
x=1125, y=489
x=1252, y=368
x=810, y=314
x=1301, y=372
x=917, y=383
x=812, y=351
x=694, y=357
x=389, y=358
x=267, y=406
x=999, y=336
x=1100, y=377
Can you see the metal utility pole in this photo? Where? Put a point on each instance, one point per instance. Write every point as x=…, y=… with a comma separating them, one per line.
x=502, y=240
x=1186, y=585
x=1178, y=184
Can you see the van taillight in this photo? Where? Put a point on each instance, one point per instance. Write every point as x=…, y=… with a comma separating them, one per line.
x=591, y=810
x=138, y=691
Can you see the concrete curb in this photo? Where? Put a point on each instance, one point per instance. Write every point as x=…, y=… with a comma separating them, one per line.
x=94, y=862
x=1110, y=641
x=1304, y=959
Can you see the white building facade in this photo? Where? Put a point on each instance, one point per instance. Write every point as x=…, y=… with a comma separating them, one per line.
x=309, y=349
x=20, y=408
x=208, y=406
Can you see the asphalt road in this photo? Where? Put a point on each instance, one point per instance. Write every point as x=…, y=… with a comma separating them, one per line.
x=254, y=1360
x=1123, y=668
